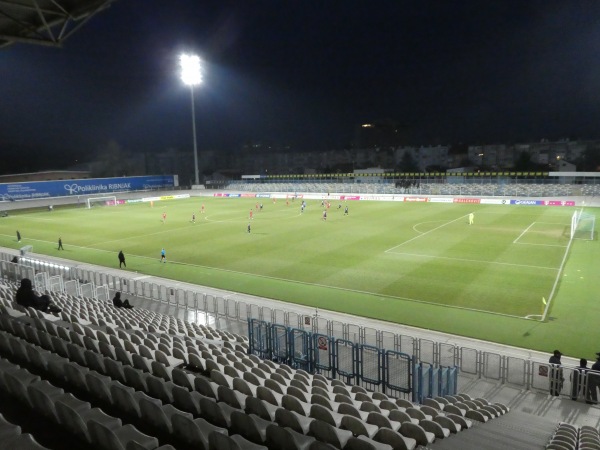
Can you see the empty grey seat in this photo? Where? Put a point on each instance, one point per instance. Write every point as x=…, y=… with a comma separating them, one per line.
x=325, y=432
x=364, y=443
x=287, y=439
x=218, y=441
x=417, y=433
x=293, y=420
x=250, y=426
x=106, y=438
x=395, y=439
x=194, y=432
x=261, y=408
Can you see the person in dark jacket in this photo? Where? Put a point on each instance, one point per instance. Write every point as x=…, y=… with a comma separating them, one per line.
x=27, y=298
x=577, y=380
x=121, y=303
x=556, y=373
x=122, y=260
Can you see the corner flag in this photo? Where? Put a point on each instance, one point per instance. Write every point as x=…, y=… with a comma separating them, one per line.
x=544, y=300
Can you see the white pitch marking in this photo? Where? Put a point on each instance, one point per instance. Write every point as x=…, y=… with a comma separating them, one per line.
x=427, y=232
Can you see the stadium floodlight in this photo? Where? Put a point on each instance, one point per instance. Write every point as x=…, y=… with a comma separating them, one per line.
x=191, y=75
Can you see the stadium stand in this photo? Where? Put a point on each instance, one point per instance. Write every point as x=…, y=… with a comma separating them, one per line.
x=116, y=378
x=111, y=377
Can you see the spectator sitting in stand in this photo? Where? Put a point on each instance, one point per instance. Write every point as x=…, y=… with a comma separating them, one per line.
x=26, y=297
x=121, y=303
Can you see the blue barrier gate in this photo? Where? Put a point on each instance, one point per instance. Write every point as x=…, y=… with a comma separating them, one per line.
x=398, y=373
x=300, y=349
x=259, y=338
x=389, y=371
x=346, y=360
x=323, y=355
x=279, y=343
x=370, y=364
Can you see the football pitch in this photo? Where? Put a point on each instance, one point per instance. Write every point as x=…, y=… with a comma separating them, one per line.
x=419, y=264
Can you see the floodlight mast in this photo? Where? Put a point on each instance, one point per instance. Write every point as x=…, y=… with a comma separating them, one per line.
x=191, y=75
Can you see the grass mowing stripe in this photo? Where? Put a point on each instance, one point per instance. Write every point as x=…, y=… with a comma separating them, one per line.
x=479, y=261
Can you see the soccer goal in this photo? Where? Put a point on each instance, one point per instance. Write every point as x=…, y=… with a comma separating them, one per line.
x=109, y=200
x=583, y=225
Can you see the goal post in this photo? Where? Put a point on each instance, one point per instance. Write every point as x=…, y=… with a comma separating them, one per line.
x=109, y=200
x=583, y=225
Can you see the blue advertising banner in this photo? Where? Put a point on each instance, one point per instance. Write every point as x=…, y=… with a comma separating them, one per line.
x=527, y=202
x=45, y=189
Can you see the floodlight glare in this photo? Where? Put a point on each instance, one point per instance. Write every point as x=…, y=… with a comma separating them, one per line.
x=190, y=69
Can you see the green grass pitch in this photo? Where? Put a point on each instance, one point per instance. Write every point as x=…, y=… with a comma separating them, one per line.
x=412, y=263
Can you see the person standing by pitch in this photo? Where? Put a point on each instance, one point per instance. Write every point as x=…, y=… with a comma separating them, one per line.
x=122, y=259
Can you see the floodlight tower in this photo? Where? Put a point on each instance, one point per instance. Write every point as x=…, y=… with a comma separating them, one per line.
x=192, y=76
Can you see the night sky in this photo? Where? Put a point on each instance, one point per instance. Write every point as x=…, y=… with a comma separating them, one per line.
x=306, y=73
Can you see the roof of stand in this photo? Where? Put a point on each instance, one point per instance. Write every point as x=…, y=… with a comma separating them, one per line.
x=45, y=22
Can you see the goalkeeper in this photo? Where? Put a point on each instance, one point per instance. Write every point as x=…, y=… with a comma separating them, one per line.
x=471, y=218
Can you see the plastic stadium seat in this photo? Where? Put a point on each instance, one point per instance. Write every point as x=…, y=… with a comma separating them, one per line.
x=114, y=369
x=250, y=426
x=194, y=432
x=142, y=363
x=435, y=428
x=261, y=408
x=358, y=427
x=417, y=433
x=321, y=413
x=8, y=430
x=206, y=387
x=99, y=387
x=293, y=420
x=448, y=423
x=43, y=396
x=136, y=378
x=161, y=389
x=364, y=443
x=275, y=386
x=293, y=404
x=74, y=414
x=287, y=439
x=395, y=439
x=219, y=441
x=351, y=410
x=106, y=438
x=382, y=421
x=186, y=400
x=182, y=378
x=324, y=432
x=218, y=414
x=266, y=394
x=94, y=361
x=231, y=397
x=158, y=415
x=244, y=387
x=24, y=441
x=17, y=382
x=127, y=400
x=462, y=421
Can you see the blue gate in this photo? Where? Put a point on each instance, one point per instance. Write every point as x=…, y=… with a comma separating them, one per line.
x=370, y=366
x=398, y=373
x=259, y=340
x=346, y=360
x=300, y=350
x=279, y=343
x=323, y=355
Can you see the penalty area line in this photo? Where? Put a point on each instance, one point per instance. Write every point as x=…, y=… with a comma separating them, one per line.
x=424, y=234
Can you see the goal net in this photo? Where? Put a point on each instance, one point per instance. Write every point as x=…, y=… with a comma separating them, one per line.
x=109, y=200
x=583, y=225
